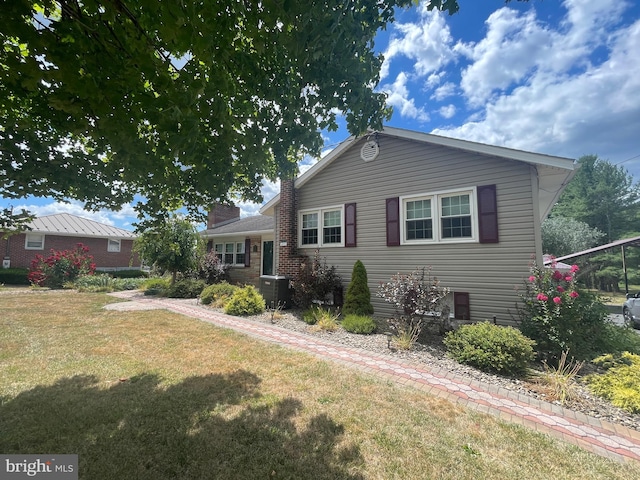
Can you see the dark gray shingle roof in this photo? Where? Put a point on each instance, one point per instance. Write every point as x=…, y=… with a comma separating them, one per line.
x=257, y=223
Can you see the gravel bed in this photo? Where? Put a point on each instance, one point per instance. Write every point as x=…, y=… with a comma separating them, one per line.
x=432, y=353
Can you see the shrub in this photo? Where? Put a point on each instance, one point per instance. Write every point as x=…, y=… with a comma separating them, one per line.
x=415, y=297
x=129, y=274
x=217, y=293
x=245, y=301
x=358, y=324
x=621, y=382
x=490, y=348
x=311, y=315
x=156, y=286
x=358, y=298
x=212, y=270
x=61, y=267
x=314, y=282
x=327, y=320
x=106, y=283
x=14, y=276
x=561, y=380
x=560, y=317
x=186, y=288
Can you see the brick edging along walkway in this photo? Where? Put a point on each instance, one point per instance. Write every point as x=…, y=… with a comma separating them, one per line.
x=606, y=439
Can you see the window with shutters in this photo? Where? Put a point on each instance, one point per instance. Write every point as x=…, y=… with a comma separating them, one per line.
x=322, y=227
x=449, y=216
x=232, y=253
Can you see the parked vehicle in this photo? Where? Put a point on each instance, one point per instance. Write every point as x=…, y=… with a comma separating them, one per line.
x=631, y=310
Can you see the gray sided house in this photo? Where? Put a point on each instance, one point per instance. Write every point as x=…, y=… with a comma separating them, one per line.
x=399, y=200
x=246, y=244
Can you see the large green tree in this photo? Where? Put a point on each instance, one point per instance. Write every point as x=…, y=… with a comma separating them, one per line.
x=563, y=236
x=183, y=102
x=173, y=246
x=602, y=195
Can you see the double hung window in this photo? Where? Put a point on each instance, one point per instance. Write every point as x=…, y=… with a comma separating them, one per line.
x=322, y=227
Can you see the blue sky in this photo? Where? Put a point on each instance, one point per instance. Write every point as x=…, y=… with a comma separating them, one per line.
x=548, y=76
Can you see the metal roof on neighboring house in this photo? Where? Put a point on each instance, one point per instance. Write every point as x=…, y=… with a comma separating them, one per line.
x=72, y=225
x=255, y=224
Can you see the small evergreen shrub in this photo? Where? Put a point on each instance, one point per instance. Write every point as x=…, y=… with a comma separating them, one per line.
x=186, y=288
x=217, y=294
x=245, y=301
x=129, y=274
x=14, y=276
x=358, y=298
x=621, y=382
x=491, y=348
x=358, y=324
x=156, y=286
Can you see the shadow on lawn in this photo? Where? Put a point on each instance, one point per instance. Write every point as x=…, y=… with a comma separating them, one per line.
x=206, y=427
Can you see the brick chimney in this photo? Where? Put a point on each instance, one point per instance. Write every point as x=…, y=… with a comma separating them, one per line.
x=287, y=240
x=221, y=214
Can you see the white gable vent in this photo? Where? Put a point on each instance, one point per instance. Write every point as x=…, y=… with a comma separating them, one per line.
x=370, y=150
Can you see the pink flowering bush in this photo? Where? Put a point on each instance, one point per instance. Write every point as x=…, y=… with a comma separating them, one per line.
x=560, y=316
x=61, y=267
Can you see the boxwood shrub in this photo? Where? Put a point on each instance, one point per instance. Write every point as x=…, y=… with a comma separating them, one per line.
x=358, y=324
x=14, y=276
x=491, y=348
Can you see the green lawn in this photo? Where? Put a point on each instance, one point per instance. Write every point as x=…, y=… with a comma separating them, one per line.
x=154, y=395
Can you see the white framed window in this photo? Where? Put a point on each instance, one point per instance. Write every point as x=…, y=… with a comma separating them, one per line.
x=34, y=241
x=113, y=245
x=231, y=252
x=321, y=228
x=448, y=216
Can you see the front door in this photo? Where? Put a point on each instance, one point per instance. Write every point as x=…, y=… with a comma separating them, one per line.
x=267, y=257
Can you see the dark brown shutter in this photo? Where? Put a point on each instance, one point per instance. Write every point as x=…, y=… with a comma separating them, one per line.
x=488, y=214
x=393, y=222
x=350, y=225
x=247, y=252
x=461, y=306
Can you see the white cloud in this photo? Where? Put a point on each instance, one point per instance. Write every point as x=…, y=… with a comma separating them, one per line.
x=444, y=91
x=447, y=111
x=595, y=111
x=398, y=97
x=427, y=41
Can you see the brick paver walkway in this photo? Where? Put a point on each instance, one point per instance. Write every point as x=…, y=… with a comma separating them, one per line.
x=606, y=439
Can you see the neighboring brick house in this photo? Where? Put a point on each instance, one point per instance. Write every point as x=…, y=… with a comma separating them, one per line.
x=244, y=243
x=110, y=247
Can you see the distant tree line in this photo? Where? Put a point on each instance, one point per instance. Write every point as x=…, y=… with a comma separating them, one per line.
x=600, y=205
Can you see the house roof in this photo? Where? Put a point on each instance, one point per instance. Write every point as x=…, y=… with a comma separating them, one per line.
x=257, y=224
x=553, y=172
x=66, y=224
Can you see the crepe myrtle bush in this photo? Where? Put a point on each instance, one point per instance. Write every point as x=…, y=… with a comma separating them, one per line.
x=61, y=267
x=560, y=316
x=415, y=297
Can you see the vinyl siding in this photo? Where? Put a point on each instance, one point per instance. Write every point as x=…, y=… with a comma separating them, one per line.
x=489, y=272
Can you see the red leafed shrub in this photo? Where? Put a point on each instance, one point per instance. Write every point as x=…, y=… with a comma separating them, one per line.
x=61, y=267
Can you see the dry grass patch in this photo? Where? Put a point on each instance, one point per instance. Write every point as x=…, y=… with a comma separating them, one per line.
x=155, y=395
